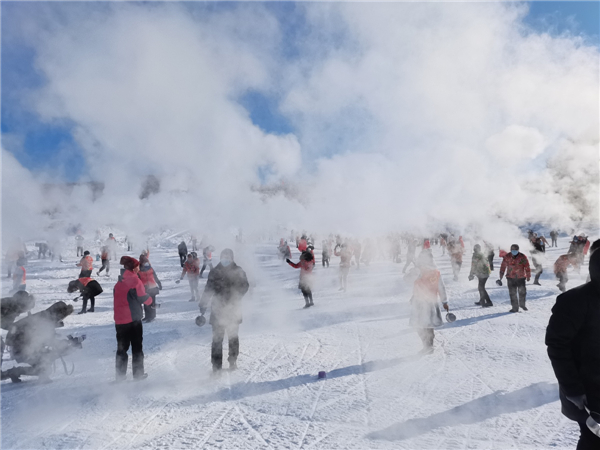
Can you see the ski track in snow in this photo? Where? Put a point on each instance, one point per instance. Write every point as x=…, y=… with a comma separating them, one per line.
x=488, y=384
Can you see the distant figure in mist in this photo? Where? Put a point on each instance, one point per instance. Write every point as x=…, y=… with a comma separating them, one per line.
x=129, y=295
x=579, y=246
x=428, y=291
x=104, y=256
x=111, y=243
x=516, y=266
x=345, y=254
x=194, y=241
x=356, y=251
x=152, y=285
x=183, y=252
x=42, y=249
x=480, y=268
x=191, y=268
x=456, y=250
x=79, y=242
x=207, y=258
x=88, y=289
x=554, y=238
x=283, y=250
x=306, y=266
x=410, y=254
x=489, y=252
x=573, y=340
x=560, y=269
x=87, y=265
x=538, y=250
x=226, y=285
x=19, y=276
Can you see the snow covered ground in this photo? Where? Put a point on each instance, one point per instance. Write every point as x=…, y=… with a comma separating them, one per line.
x=488, y=384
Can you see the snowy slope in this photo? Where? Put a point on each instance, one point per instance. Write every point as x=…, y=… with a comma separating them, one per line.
x=488, y=384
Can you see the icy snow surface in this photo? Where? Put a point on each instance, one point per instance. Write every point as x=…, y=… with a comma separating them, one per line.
x=488, y=384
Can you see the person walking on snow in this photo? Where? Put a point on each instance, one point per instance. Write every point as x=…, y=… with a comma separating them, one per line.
x=425, y=312
x=129, y=295
x=325, y=253
x=537, y=255
x=345, y=254
x=152, y=285
x=105, y=260
x=306, y=265
x=480, y=268
x=89, y=289
x=111, y=243
x=226, y=286
x=554, y=238
x=87, y=265
x=516, y=266
x=560, y=269
x=410, y=253
x=456, y=250
x=192, y=269
x=573, y=341
x=79, y=242
x=182, y=249
x=489, y=252
x=207, y=258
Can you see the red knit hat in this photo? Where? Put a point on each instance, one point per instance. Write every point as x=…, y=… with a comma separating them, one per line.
x=129, y=263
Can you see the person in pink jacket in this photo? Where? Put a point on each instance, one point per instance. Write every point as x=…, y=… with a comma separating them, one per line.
x=129, y=296
x=306, y=265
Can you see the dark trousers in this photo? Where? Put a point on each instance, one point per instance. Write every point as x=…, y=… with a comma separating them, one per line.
x=182, y=258
x=85, y=273
x=79, y=251
x=84, y=305
x=130, y=334
x=426, y=335
x=562, y=281
x=150, y=310
x=484, y=297
x=491, y=260
x=554, y=242
x=307, y=293
x=587, y=440
x=517, y=292
x=216, y=354
x=325, y=260
x=105, y=265
x=206, y=263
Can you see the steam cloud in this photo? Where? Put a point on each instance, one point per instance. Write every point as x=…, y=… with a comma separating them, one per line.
x=410, y=116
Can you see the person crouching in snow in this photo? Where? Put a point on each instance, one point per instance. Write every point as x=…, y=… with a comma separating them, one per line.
x=560, y=269
x=152, y=285
x=306, y=265
x=129, y=296
x=425, y=311
x=89, y=289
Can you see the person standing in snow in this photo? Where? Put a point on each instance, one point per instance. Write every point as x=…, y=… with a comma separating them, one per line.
x=480, y=268
x=19, y=276
x=87, y=265
x=425, y=312
x=192, y=269
x=105, y=260
x=516, y=266
x=573, y=341
x=225, y=287
x=89, y=289
x=537, y=255
x=182, y=249
x=79, y=241
x=345, y=254
x=356, y=251
x=554, y=238
x=207, y=258
x=152, y=285
x=456, y=250
x=410, y=253
x=129, y=296
x=489, y=252
x=111, y=243
x=560, y=269
x=325, y=253
x=306, y=265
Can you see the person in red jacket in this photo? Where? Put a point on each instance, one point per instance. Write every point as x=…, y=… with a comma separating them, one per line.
x=306, y=265
x=87, y=265
x=192, y=269
x=152, y=285
x=560, y=269
x=19, y=276
x=129, y=296
x=105, y=260
x=516, y=266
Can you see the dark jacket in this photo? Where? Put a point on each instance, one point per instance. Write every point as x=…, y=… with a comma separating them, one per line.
x=224, y=290
x=573, y=340
x=182, y=248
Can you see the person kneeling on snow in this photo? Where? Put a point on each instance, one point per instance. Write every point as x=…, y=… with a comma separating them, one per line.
x=225, y=287
x=306, y=265
x=89, y=289
x=129, y=296
x=425, y=311
x=573, y=340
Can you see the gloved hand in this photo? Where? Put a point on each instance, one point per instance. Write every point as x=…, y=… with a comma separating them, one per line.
x=578, y=400
x=471, y=277
x=202, y=310
x=287, y=260
x=445, y=305
x=177, y=282
x=528, y=279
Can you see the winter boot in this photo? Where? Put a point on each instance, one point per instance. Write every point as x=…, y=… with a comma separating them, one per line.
x=479, y=303
x=83, y=311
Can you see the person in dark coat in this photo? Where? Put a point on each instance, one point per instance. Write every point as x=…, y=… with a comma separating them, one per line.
x=573, y=340
x=11, y=308
x=129, y=295
x=226, y=285
x=182, y=249
x=89, y=290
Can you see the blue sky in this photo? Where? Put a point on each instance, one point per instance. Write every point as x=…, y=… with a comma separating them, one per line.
x=51, y=147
